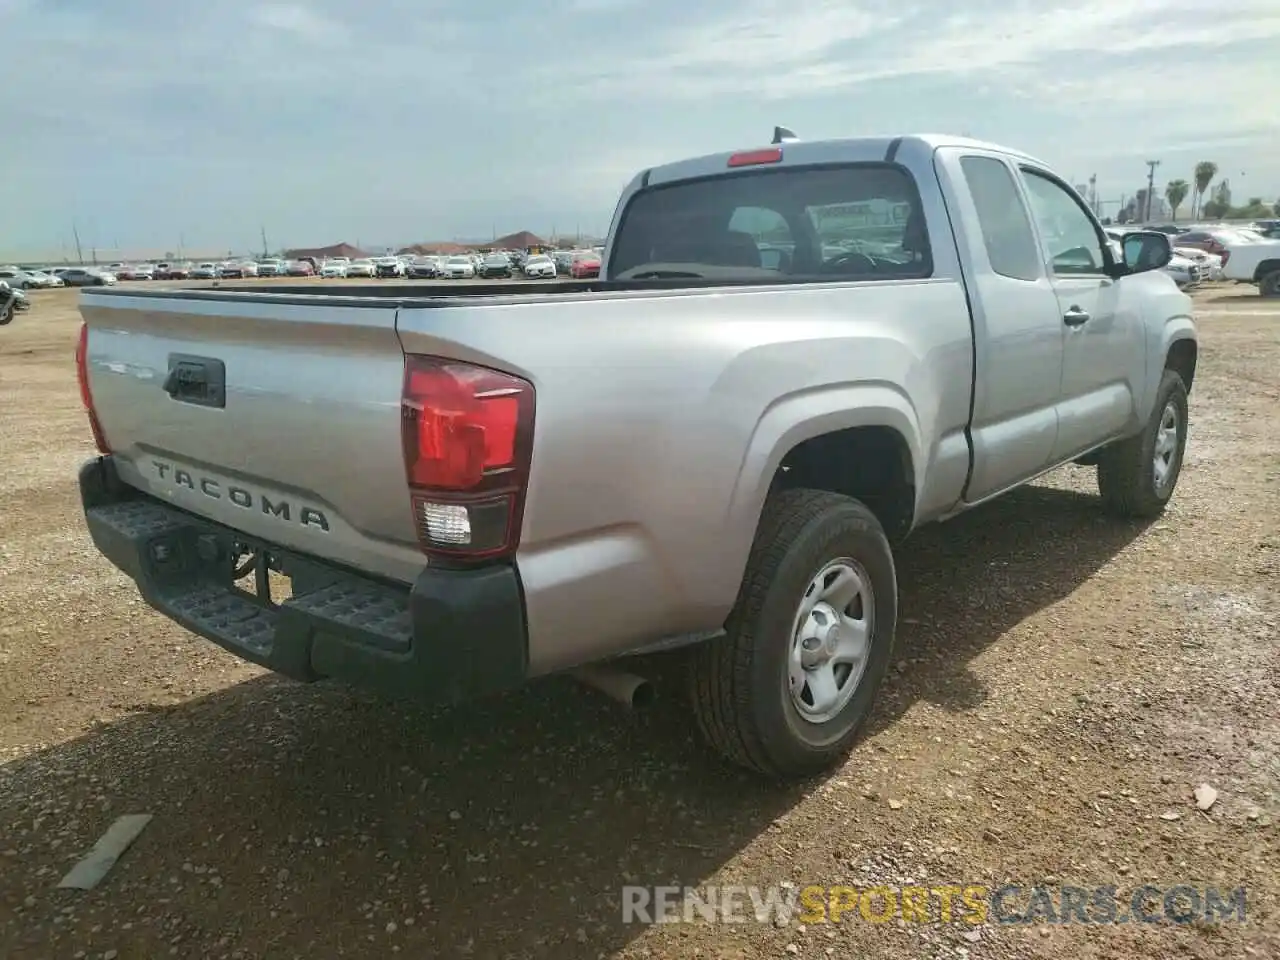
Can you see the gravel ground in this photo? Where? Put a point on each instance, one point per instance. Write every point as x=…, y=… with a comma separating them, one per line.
x=1064, y=684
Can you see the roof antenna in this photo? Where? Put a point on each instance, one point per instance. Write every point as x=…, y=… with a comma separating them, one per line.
x=783, y=135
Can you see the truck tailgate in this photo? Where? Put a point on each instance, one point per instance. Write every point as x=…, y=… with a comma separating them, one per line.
x=299, y=445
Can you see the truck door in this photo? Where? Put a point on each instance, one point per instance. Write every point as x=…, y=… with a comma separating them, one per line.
x=1103, y=357
x=1018, y=329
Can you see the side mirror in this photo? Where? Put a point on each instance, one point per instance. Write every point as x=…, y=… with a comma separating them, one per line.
x=1146, y=250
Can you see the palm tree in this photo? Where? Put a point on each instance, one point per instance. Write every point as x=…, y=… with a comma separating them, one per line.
x=1206, y=170
x=1175, y=192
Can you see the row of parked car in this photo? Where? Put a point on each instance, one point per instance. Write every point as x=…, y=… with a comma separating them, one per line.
x=579, y=264
x=496, y=265
x=37, y=278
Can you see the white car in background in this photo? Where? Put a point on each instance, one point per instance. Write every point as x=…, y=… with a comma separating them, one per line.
x=205, y=271
x=333, y=269
x=46, y=278
x=361, y=268
x=272, y=268
x=458, y=268
x=20, y=279
x=1185, y=271
x=540, y=267
x=1210, y=263
x=1254, y=261
x=389, y=267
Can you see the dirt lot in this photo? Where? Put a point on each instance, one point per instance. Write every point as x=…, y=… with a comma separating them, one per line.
x=1064, y=684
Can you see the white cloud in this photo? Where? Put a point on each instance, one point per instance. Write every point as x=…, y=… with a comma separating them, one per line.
x=765, y=47
x=297, y=20
x=773, y=50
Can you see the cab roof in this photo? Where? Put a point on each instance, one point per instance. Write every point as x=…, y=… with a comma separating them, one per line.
x=917, y=146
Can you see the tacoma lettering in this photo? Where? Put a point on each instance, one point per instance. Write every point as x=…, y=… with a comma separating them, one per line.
x=241, y=497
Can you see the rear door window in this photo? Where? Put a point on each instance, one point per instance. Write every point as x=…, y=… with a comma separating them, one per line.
x=798, y=224
x=1002, y=216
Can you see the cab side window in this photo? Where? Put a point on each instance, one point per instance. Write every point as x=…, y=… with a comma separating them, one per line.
x=771, y=233
x=1006, y=229
x=1069, y=233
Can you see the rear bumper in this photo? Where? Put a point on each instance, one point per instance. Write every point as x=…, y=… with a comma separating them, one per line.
x=453, y=635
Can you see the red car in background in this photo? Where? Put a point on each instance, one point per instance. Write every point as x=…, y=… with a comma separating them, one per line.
x=301, y=268
x=584, y=268
x=1213, y=240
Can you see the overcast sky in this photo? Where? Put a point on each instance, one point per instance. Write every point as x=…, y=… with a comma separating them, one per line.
x=396, y=120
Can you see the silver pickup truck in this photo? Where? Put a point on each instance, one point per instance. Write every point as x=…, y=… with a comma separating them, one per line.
x=795, y=355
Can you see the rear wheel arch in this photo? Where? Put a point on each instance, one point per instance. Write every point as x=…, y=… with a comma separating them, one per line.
x=785, y=444
x=1265, y=267
x=872, y=464
x=1267, y=277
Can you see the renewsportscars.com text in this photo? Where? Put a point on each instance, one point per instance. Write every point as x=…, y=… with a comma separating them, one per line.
x=972, y=904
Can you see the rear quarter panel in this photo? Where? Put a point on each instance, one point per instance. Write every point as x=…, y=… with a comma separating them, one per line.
x=661, y=417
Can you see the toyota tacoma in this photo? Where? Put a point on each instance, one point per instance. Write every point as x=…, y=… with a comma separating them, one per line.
x=794, y=356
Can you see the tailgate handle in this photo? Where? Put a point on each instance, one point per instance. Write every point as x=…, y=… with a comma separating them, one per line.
x=198, y=380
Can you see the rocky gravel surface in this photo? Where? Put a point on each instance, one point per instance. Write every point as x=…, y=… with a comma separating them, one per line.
x=1063, y=686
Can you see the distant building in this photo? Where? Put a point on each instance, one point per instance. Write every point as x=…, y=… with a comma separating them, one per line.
x=523, y=240
x=324, y=253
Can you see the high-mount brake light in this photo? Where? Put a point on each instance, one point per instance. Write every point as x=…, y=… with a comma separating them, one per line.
x=86, y=395
x=751, y=158
x=467, y=433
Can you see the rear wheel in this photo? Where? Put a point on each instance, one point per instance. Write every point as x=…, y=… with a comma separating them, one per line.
x=1136, y=477
x=1269, y=285
x=808, y=642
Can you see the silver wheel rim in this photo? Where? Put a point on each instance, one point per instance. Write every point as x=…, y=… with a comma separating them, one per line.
x=1166, y=449
x=830, y=640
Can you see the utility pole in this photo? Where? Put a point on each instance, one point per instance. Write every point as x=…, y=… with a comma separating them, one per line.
x=265, y=249
x=79, y=252
x=1151, y=186
x=1093, y=192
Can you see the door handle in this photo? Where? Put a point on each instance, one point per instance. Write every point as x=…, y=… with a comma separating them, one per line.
x=1075, y=317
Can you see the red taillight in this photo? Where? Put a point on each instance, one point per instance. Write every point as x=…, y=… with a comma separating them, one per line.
x=750, y=158
x=86, y=397
x=467, y=433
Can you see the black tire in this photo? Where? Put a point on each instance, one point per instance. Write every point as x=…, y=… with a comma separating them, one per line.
x=7, y=313
x=738, y=683
x=1126, y=470
x=1269, y=284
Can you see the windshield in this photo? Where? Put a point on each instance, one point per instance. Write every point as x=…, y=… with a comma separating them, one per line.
x=857, y=221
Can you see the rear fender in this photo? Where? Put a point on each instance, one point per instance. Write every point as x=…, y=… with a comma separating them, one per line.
x=801, y=416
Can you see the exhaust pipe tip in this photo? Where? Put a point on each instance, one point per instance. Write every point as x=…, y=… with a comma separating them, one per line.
x=628, y=689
